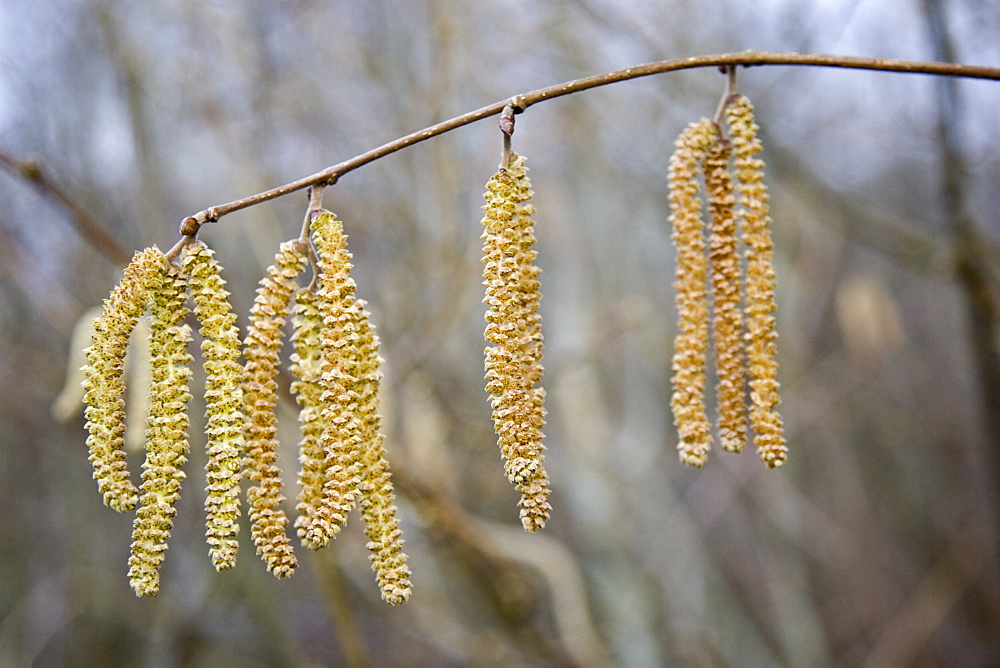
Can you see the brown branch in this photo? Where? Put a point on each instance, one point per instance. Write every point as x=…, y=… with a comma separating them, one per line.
x=525, y=100
x=85, y=224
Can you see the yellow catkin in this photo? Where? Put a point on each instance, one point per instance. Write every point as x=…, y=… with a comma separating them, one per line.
x=513, y=363
x=262, y=348
x=342, y=431
x=224, y=402
x=378, y=506
x=727, y=318
x=307, y=367
x=691, y=342
x=166, y=433
x=760, y=282
x=104, y=386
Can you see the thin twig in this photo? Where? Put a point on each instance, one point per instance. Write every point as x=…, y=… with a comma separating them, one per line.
x=525, y=100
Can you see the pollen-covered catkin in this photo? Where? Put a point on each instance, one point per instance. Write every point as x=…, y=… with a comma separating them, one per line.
x=378, y=506
x=513, y=363
x=104, y=386
x=691, y=342
x=342, y=433
x=727, y=320
x=760, y=282
x=262, y=347
x=166, y=433
x=224, y=402
x=307, y=368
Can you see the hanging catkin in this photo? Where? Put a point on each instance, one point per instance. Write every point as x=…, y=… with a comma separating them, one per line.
x=307, y=367
x=223, y=401
x=342, y=430
x=356, y=464
x=727, y=319
x=166, y=433
x=378, y=505
x=760, y=282
x=104, y=386
x=513, y=363
x=691, y=342
x=262, y=347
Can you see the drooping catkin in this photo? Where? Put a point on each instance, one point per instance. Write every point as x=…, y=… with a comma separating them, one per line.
x=104, y=387
x=262, y=347
x=691, y=342
x=166, y=433
x=727, y=320
x=513, y=363
x=760, y=282
x=224, y=402
x=378, y=505
x=307, y=368
x=342, y=438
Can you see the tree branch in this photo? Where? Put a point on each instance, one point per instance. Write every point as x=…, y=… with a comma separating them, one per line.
x=521, y=102
x=88, y=227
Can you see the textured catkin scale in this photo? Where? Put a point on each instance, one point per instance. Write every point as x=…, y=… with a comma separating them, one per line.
x=513, y=363
x=307, y=368
x=727, y=321
x=224, y=402
x=691, y=342
x=342, y=430
x=378, y=505
x=104, y=386
x=760, y=284
x=166, y=433
x=262, y=348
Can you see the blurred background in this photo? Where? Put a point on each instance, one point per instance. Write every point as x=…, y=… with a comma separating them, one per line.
x=876, y=544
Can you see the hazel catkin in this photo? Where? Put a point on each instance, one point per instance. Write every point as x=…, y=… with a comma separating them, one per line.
x=262, y=347
x=224, y=401
x=513, y=363
x=104, y=385
x=307, y=368
x=342, y=430
x=727, y=318
x=691, y=341
x=760, y=283
x=166, y=433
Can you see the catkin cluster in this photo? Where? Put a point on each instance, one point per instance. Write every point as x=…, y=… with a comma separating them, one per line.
x=336, y=368
x=710, y=270
x=336, y=365
x=514, y=362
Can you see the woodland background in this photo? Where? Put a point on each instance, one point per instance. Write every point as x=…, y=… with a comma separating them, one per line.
x=876, y=543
